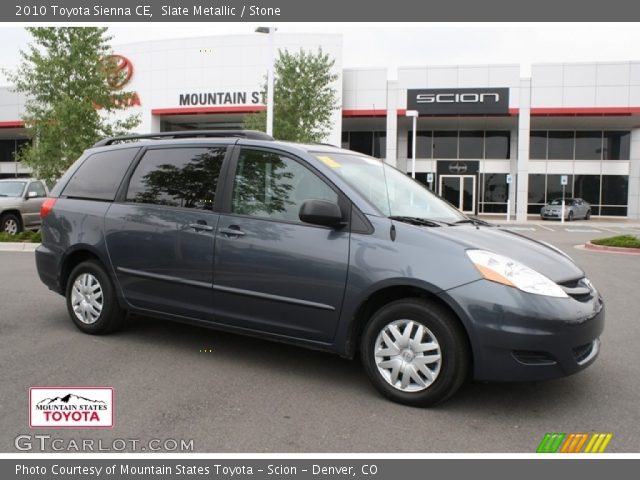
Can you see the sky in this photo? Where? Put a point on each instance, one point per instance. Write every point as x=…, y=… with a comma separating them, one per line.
x=396, y=45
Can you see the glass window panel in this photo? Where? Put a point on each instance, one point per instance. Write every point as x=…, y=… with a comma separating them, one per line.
x=380, y=144
x=536, y=188
x=7, y=149
x=587, y=187
x=589, y=145
x=445, y=144
x=361, y=142
x=100, y=175
x=177, y=177
x=615, y=189
x=423, y=140
x=345, y=140
x=617, y=145
x=561, y=145
x=471, y=144
x=497, y=145
x=273, y=186
x=614, y=211
x=538, y=145
x=554, y=188
x=495, y=187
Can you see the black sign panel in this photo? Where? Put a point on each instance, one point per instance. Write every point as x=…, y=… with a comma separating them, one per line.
x=458, y=167
x=459, y=101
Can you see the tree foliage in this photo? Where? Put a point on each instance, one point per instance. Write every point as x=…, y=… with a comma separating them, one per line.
x=63, y=74
x=304, y=97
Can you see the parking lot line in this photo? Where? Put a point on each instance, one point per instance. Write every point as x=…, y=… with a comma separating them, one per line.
x=521, y=229
x=545, y=227
x=582, y=230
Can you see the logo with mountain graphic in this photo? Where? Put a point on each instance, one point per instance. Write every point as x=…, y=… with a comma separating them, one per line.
x=78, y=407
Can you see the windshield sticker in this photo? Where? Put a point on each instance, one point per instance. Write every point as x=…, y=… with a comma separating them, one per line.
x=329, y=162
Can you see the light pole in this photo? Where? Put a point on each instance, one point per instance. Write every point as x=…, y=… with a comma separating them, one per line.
x=414, y=115
x=271, y=32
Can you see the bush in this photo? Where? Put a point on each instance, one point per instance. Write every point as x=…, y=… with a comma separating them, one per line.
x=625, y=241
x=26, y=236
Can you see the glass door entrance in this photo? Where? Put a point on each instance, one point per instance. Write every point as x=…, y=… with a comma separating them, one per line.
x=460, y=190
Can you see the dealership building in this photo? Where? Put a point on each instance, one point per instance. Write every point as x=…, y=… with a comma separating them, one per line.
x=487, y=137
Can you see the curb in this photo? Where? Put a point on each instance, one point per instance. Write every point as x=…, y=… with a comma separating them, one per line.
x=604, y=248
x=18, y=246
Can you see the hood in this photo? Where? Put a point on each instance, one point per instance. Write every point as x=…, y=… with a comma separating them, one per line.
x=532, y=253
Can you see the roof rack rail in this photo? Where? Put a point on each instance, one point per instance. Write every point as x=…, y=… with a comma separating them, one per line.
x=249, y=134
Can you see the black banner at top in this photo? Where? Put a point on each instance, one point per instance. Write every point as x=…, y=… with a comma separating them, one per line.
x=84, y=11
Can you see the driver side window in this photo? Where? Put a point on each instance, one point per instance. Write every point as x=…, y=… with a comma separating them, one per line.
x=273, y=186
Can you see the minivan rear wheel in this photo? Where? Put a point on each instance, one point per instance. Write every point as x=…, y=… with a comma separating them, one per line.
x=91, y=299
x=415, y=352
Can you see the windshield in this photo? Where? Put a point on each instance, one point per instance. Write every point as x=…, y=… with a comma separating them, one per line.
x=558, y=201
x=11, y=189
x=391, y=191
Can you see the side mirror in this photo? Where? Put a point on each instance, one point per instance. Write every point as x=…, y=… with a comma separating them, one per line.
x=321, y=212
x=32, y=195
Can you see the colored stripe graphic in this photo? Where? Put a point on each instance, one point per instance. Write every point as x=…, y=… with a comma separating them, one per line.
x=598, y=443
x=550, y=443
x=573, y=442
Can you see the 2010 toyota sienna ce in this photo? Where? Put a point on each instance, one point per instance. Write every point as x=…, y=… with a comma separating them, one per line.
x=317, y=246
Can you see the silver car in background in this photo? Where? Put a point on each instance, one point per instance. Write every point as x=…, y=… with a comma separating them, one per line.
x=20, y=201
x=574, y=208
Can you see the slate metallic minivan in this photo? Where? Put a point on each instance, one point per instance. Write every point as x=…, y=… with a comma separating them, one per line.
x=317, y=246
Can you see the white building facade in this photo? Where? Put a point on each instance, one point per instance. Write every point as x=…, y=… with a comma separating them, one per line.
x=572, y=127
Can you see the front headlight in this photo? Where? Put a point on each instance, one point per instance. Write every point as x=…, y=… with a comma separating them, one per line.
x=506, y=271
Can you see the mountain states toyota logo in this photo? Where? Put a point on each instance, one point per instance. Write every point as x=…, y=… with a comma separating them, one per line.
x=75, y=407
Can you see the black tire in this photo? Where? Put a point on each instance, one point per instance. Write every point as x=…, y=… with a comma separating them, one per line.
x=588, y=215
x=110, y=316
x=570, y=216
x=11, y=223
x=442, y=326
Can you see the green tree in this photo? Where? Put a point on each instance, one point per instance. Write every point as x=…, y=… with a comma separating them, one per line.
x=68, y=78
x=304, y=97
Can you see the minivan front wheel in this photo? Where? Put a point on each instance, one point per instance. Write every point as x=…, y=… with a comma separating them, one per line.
x=91, y=299
x=415, y=352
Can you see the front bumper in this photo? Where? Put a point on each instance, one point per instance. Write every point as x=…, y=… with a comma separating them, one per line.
x=517, y=336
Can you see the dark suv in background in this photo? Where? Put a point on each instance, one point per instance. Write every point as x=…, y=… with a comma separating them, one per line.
x=313, y=245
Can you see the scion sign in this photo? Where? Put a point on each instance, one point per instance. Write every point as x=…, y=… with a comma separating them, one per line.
x=459, y=101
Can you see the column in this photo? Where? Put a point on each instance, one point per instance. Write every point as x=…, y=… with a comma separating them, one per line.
x=633, y=210
x=392, y=123
x=524, y=124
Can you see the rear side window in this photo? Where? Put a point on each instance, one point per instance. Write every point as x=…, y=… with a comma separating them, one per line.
x=99, y=176
x=177, y=177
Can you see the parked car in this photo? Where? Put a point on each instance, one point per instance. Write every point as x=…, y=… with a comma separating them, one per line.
x=317, y=246
x=20, y=201
x=574, y=208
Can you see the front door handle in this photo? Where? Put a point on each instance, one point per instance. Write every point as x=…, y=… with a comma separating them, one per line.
x=199, y=227
x=232, y=231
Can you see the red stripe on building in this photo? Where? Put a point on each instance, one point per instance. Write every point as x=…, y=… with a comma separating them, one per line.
x=365, y=113
x=12, y=124
x=597, y=111
x=206, y=110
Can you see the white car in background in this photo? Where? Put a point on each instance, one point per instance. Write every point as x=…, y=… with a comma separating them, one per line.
x=574, y=208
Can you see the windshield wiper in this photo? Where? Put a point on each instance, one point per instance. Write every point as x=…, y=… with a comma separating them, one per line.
x=425, y=222
x=475, y=222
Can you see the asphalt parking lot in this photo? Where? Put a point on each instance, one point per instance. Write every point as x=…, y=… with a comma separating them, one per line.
x=249, y=395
